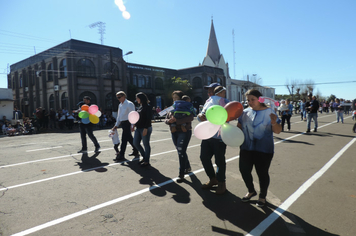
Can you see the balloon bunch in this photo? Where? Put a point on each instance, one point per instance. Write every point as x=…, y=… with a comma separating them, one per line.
x=217, y=116
x=273, y=103
x=89, y=114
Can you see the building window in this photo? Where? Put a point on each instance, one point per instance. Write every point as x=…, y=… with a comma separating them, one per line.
x=50, y=72
x=85, y=67
x=158, y=83
x=64, y=100
x=91, y=95
x=219, y=81
x=197, y=83
x=148, y=82
x=108, y=101
x=63, y=68
x=107, y=71
x=210, y=80
x=51, y=101
x=21, y=80
x=13, y=83
x=134, y=80
x=141, y=81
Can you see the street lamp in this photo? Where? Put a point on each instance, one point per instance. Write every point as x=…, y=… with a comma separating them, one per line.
x=128, y=53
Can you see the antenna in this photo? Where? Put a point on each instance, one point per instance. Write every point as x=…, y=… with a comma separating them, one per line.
x=101, y=26
x=233, y=50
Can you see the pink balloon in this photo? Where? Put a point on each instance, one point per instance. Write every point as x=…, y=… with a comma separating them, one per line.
x=206, y=130
x=134, y=117
x=93, y=109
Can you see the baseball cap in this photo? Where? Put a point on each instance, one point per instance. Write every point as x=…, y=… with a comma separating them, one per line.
x=213, y=85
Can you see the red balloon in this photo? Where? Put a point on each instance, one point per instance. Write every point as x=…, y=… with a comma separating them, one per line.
x=234, y=110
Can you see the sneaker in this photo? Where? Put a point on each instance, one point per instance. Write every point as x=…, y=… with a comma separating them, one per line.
x=82, y=151
x=97, y=150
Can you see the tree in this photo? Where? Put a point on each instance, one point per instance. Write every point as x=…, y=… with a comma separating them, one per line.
x=332, y=97
x=178, y=83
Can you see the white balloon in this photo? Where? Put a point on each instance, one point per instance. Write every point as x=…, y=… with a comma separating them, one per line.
x=206, y=130
x=133, y=117
x=98, y=113
x=232, y=135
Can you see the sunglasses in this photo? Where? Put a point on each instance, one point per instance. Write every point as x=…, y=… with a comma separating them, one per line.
x=118, y=97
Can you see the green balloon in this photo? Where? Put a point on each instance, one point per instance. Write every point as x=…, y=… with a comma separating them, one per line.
x=216, y=114
x=83, y=114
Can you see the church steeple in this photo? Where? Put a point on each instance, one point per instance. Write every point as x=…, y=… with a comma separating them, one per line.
x=213, y=48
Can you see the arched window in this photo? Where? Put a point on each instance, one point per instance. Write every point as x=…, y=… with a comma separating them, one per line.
x=219, y=81
x=50, y=72
x=51, y=101
x=134, y=80
x=141, y=81
x=210, y=80
x=197, y=83
x=108, y=101
x=85, y=67
x=91, y=95
x=21, y=80
x=63, y=68
x=148, y=82
x=64, y=100
x=158, y=83
x=107, y=71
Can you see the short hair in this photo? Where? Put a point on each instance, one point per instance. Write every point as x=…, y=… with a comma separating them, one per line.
x=179, y=93
x=186, y=98
x=87, y=98
x=121, y=93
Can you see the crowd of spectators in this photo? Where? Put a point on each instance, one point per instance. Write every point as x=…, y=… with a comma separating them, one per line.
x=47, y=121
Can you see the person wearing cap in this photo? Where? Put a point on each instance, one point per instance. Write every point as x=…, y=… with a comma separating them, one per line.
x=213, y=147
x=87, y=129
x=312, y=108
x=122, y=120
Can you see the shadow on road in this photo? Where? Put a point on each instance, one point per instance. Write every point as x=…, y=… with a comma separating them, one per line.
x=92, y=163
x=160, y=184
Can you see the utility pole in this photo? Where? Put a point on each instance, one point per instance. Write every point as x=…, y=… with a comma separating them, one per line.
x=101, y=26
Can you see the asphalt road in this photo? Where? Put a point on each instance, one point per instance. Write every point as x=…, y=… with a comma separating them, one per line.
x=46, y=188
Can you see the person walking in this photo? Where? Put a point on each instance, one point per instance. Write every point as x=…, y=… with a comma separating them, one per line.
x=339, y=110
x=87, y=129
x=125, y=108
x=312, y=108
x=303, y=113
x=181, y=138
x=213, y=146
x=143, y=129
x=258, y=123
x=287, y=114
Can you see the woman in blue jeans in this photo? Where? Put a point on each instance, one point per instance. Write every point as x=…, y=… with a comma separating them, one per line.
x=181, y=138
x=143, y=129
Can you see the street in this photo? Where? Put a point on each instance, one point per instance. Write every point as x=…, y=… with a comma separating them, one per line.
x=47, y=188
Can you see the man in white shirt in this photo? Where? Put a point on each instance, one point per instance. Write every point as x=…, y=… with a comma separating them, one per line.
x=125, y=108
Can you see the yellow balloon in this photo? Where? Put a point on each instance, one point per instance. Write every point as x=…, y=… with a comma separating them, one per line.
x=93, y=119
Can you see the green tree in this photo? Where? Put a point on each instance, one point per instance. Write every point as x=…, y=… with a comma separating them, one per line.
x=331, y=97
x=177, y=83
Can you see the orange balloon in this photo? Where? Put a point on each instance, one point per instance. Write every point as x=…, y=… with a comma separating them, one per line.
x=234, y=110
x=85, y=108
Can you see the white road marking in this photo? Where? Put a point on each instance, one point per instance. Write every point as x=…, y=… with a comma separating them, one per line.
x=41, y=149
x=292, y=198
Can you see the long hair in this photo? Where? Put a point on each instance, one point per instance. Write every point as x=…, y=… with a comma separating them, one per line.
x=143, y=98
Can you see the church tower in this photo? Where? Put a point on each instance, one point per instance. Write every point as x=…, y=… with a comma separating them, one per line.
x=213, y=57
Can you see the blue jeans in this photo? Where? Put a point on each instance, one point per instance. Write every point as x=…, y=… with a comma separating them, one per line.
x=313, y=116
x=181, y=141
x=339, y=115
x=211, y=147
x=145, y=153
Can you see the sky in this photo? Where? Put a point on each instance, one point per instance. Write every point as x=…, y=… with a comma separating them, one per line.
x=281, y=41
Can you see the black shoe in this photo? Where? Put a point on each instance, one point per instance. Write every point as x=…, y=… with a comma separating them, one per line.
x=308, y=131
x=180, y=179
x=188, y=170
x=134, y=154
x=119, y=158
x=315, y=130
x=246, y=199
x=97, y=150
x=82, y=151
x=145, y=164
x=261, y=204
